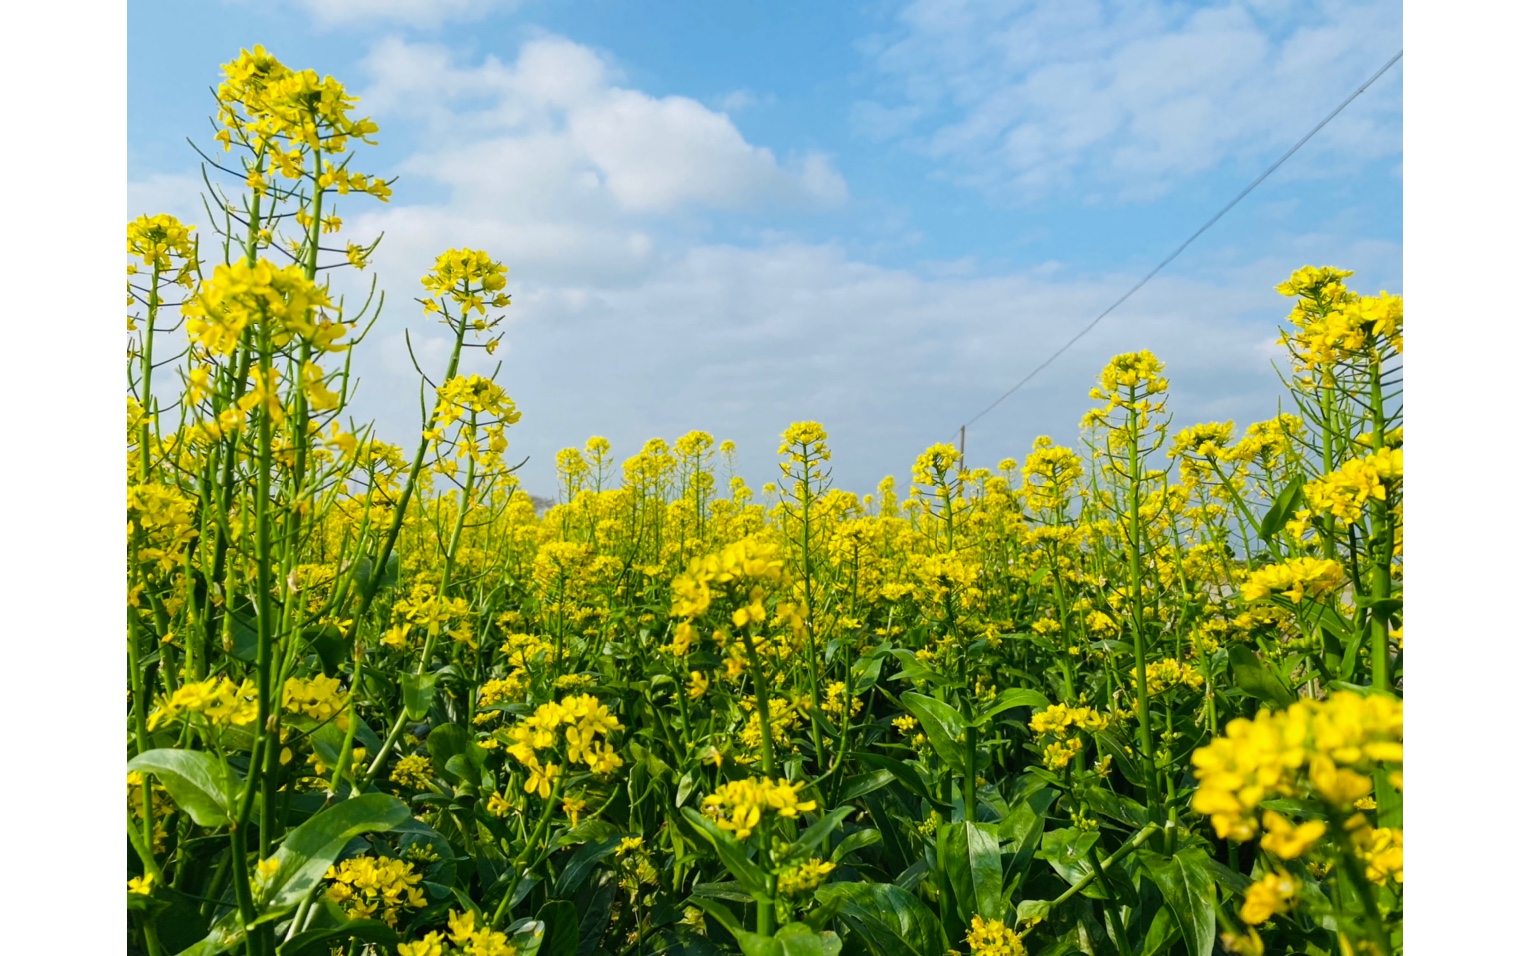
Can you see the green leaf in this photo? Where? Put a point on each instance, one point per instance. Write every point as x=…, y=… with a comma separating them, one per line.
x=944, y=727
x=889, y=919
x=1033, y=909
x=677, y=942
x=419, y=694
x=860, y=839
x=1162, y=932
x=753, y=944
x=580, y=864
x=1010, y=699
x=1110, y=804
x=1067, y=850
x=444, y=743
x=1252, y=677
x=866, y=669
x=818, y=832
x=1025, y=821
x=1190, y=893
x=561, y=934
x=863, y=783
x=906, y=772
x=313, y=847
x=316, y=942
x=731, y=852
x=390, y=571
x=195, y=780
x=596, y=917
x=722, y=891
x=332, y=646
x=1281, y=510
x=719, y=912
x=968, y=856
x=526, y=937
x=800, y=939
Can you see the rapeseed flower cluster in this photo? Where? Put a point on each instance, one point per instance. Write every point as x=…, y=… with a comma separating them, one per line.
x=1345, y=493
x=282, y=300
x=586, y=724
x=1324, y=749
x=319, y=697
x=739, y=805
x=749, y=560
x=1295, y=579
x=370, y=887
x=219, y=700
x=990, y=937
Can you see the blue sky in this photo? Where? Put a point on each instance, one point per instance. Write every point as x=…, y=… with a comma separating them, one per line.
x=876, y=215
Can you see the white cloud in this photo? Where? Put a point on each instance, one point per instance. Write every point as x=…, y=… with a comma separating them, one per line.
x=743, y=341
x=1124, y=100
x=553, y=129
x=417, y=13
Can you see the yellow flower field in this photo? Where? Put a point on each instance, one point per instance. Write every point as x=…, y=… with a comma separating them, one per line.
x=1140, y=695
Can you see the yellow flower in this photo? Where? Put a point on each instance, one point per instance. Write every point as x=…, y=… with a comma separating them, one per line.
x=142, y=885
x=1295, y=579
x=803, y=877
x=992, y=938
x=540, y=778
x=1272, y=895
x=737, y=805
x=1326, y=749
x=1286, y=841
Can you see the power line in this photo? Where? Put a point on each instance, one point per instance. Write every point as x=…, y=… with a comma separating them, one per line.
x=1184, y=245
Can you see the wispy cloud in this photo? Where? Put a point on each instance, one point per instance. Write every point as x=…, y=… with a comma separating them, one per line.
x=416, y=13
x=1122, y=101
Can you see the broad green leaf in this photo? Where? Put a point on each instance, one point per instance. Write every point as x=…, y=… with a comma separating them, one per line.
x=863, y=783
x=907, y=774
x=1026, y=820
x=1067, y=850
x=195, y=780
x=1189, y=892
x=596, y=917
x=718, y=912
x=526, y=937
x=890, y=920
x=855, y=841
x=671, y=941
x=331, y=645
x=800, y=939
x=1252, y=677
x=753, y=944
x=561, y=928
x=316, y=942
x=1010, y=699
x=1281, y=510
x=866, y=669
x=419, y=694
x=731, y=852
x=1162, y=932
x=968, y=856
x=944, y=727
x=312, y=848
x=1117, y=807
x=722, y=891
x=818, y=832
x=579, y=865
x=445, y=742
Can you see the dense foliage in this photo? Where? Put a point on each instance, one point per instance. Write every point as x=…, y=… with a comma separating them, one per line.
x=1141, y=698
